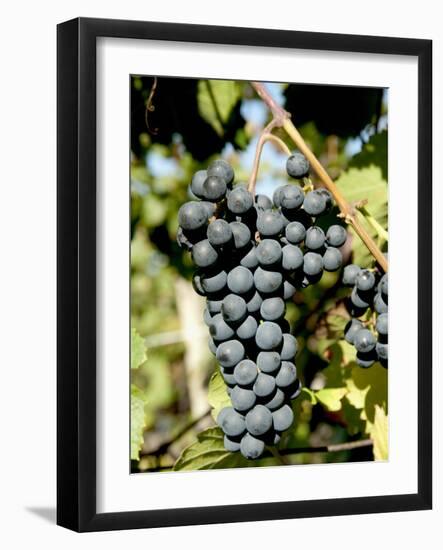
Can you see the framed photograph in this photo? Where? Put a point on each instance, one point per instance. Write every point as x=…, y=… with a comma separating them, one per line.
x=230, y=202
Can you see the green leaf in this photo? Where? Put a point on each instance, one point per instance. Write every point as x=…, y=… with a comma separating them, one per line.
x=331, y=397
x=208, y=453
x=367, y=183
x=137, y=421
x=379, y=434
x=217, y=395
x=216, y=100
x=138, y=349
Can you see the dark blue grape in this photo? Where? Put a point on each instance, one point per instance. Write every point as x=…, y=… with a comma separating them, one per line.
x=315, y=238
x=268, y=252
x=272, y=309
x=336, y=235
x=230, y=353
x=315, y=203
x=289, y=349
x=192, y=215
x=230, y=444
x=381, y=324
x=269, y=336
x=350, y=273
x=258, y=420
x=241, y=234
x=312, y=263
x=297, y=166
x=214, y=188
x=203, y=254
x=269, y=223
x=251, y=447
x=242, y=399
x=295, y=232
x=240, y=280
x=264, y=385
x=231, y=422
x=198, y=179
x=292, y=257
x=332, y=259
x=276, y=401
x=219, y=329
x=263, y=202
x=245, y=373
x=364, y=340
x=380, y=305
x=213, y=283
x=282, y=418
x=267, y=281
x=221, y=169
x=240, y=200
x=287, y=375
x=365, y=280
x=291, y=197
x=233, y=308
x=247, y=329
x=268, y=361
x=288, y=290
x=250, y=260
x=353, y=326
x=254, y=303
x=219, y=233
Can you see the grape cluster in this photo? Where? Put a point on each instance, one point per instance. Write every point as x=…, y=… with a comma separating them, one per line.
x=251, y=255
x=369, y=299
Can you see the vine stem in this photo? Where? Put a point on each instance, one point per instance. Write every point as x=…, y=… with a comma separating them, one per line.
x=282, y=119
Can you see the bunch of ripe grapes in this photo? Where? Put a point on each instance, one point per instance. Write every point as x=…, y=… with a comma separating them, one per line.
x=251, y=255
x=368, y=306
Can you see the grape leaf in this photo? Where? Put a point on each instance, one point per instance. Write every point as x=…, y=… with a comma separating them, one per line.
x=217, y=395
x=216, y=100
x=137, y=421
x=138, y=349
x=331, y=397
x=208, y=452
x=379, y=434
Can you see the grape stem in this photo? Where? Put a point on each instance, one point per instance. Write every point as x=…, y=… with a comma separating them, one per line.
x=282, y=119
x=381, y=231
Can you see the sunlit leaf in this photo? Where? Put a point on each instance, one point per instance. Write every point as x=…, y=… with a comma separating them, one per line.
x=379, y=434
x=217, y=395
x=137, y=421
x=138, y=349
x=331, y=397
x=216, y=100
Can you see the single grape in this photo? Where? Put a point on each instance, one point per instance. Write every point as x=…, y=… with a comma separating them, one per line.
x=197, y=182
x=230, y=353
x=254, y=303
x=268, y=336
x=381, y=324
x=240, y=200
x=242, y=399
x=214, y=188
x=365, y=280
x=268, y=252
x=292, y=257
x=295, y=232
x=249, y=259
x=380, y=305
x=240, y=280
x=336, y=235
x=382, y=351
x=268, y=361
x=272, y=309
x=290, y=347
x=263, y=202
x=282, y=418
x=332, y=259
x=315, y=238
x=230, y=444
x=231, y=422
x=203, y=254
x=350, y=273
x=264, y=385
x=269, y=223
x=267, y=281
x=192, y=215
x=221, y=169
x=294, y=390
x=297, y=166
x=245, y=373
x=276, y=400
x=327, y=196
x=233, y=308
x=291, y=197
x=209, y=208
x=258, y=420
x=219, y=329
x=247, y=329
x=352, y=327
x=312, y=263
x=251, y=447
x=241, y=234
x=364, y=340
x=219, y=232
x=213, y=283
x=315, y=203
x=287, y=375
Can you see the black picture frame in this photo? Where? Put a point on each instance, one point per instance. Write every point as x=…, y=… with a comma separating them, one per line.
x=76, y=280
